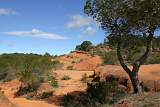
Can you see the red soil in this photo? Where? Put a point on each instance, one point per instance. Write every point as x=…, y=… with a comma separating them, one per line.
x=80, y=61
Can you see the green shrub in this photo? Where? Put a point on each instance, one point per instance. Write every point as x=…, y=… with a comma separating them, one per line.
x=47, y=94
x=53, y=81
x=15, y=64
x=65, y=77
x=85, y=46
x=55, y=84
x=26, y=89
x=100, y=91
x=84, y=78
x=30, y=69
x=110, y=58
x=81, y=60
x=34, y=72
x=30, y=96
x=100, y=94
x=134, y=53
x=9, y=77
x=73, y=62
x=154, y=59
x=57, y=65
x=70, y=68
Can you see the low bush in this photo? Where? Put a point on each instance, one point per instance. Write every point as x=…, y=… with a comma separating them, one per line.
x=70, y=68
x=65, y=77
x=55, y=84
x=154, y=59
x=110, y=58
x=73, y=62
x=53, y=81
x=47, y=94
x=99, y=94
x=57, y=65
x=84, y=78
x=102, y=91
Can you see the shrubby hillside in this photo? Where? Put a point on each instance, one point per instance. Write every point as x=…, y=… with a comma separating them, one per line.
x=133, y=48
x=17, y=65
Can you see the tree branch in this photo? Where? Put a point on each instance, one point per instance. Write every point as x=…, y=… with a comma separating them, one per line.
x=143, y=58
x=121, y=60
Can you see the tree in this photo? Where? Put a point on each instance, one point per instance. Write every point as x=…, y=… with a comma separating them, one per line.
x=121, y=18
x=85, y=46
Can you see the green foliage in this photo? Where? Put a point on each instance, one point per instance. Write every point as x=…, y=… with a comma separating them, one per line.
x=110, y=58
x=47, y=94
x=85, y=46
x=81, y=60
x=130, y=41
x=156, y=42
x=98, y=94
x=130, y=16
x=122, y=18
x=65, y=77
x=101, y=91
x=35, y=69
x=84, y=78
x=57, y=65
x=30, y=96
x=70, y=68
x=31, y=69
x=27, y=88
x=98, y=52
x=55, y=84
x=47, y=54
x=134, y=54
x=131, y=24
x=154, y=59
x=73, y=62
x=53, y=81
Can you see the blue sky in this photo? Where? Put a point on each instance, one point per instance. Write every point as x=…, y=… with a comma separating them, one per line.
x=39, y=26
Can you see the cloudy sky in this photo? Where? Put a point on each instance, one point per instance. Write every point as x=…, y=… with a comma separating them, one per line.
x=39, y=26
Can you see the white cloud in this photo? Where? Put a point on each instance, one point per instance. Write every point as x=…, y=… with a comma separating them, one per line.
x=36, y=33
x=6, y=11
x=79, y=21
x=84, y=24
x=89, y=31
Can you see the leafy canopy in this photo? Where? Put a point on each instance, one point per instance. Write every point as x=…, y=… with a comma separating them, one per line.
x=121, y=17
x=85, y=46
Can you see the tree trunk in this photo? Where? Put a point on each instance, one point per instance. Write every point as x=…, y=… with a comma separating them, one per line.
x=135, y=82
x=133, y=74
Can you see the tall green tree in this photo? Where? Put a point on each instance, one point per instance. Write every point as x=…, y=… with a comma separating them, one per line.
x=85, y=46
x=120, y=18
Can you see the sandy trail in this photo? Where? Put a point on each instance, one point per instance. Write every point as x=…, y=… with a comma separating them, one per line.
x=22, y=102
x=74, y=84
